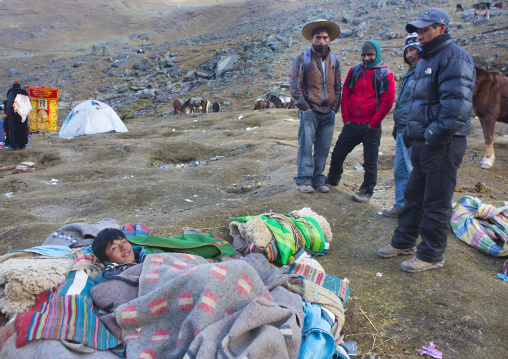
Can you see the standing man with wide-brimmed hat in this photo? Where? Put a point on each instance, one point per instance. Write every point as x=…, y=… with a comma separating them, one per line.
x=316, y=88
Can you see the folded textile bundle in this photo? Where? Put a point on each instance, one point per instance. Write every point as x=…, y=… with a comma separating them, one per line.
x=280, y=236
x=482, y=226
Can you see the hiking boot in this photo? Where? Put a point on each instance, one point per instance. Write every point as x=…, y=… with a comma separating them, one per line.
x=321, y=189
x=414, y=265
x=392, y=213
x=389, y=251
x=331, y=182
x=361, y=197
x=306, y=188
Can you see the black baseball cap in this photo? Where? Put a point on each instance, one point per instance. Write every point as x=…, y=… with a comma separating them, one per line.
x=428, y=17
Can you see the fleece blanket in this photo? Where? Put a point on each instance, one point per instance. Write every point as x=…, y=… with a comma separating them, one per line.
x=76, y=235
x=189, y=307
x=482, y=226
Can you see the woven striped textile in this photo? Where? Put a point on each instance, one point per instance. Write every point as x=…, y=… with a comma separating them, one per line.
x=482, y=226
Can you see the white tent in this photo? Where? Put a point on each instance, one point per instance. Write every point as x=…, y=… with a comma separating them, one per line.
x=91, y=117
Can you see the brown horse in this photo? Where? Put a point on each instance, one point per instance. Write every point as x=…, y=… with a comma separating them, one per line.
x=177, y=105
x=195, y=103
x=289, y=103
x=259, y=104
x=490, y=104
x=482, y=9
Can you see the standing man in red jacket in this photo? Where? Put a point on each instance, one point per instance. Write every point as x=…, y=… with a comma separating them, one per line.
x=367, y=97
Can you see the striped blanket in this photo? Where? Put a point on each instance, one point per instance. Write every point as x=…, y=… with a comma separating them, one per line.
x=482, y=226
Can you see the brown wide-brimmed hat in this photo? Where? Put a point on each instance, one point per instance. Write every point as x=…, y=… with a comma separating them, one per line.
x=311, y=26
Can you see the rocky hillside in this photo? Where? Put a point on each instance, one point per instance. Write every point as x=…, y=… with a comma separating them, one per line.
x=232, y=52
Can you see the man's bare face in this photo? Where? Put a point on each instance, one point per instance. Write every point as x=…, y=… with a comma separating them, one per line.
x=428, y=33
x=120, y=252
x=321, y=39
x=412, y=55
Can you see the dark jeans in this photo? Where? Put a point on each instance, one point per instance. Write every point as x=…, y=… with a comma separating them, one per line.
x=428, y=194
x=352, y=135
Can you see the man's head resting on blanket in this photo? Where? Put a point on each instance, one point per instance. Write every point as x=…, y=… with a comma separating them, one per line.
x=111, y=246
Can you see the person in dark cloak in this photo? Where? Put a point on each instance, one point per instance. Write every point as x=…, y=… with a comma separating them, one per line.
x=18, y=131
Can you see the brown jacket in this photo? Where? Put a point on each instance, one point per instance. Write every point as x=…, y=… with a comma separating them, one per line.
x=319, y=88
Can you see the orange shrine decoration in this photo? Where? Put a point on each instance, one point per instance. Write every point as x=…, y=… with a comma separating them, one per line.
x=44, y=115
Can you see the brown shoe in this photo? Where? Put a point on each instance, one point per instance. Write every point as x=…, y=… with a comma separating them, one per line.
x=389, y=251
x=392, y=213
x=306, y=188
x=321, y=189
x=415, y=265
x=361, y=197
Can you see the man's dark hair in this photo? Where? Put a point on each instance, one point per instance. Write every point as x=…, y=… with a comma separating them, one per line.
x=321, y=29
x=434, y=26
x=104, y=239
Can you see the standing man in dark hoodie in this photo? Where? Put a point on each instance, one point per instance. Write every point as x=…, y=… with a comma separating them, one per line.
x=439, y=121
x=369, y=92
x=315, y=85
x=402, y=166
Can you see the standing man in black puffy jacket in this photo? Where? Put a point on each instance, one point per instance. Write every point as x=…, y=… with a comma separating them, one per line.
x=439, y=121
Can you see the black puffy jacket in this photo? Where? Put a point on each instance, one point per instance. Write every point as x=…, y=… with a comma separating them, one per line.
x=442, y=95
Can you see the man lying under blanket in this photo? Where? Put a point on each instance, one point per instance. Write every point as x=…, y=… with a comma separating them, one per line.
x=112, y=248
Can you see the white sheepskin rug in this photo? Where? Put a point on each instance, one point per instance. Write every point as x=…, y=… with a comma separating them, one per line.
x=254, y=230
x=323, y=223
x=22, y=278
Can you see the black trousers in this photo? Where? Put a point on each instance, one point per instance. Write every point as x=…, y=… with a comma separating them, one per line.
x=428, y=195
x=352, y=135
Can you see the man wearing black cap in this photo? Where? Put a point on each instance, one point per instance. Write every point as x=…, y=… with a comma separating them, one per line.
x=439, y=121
x=402, y=166
x=316, y=88
x=369, y=92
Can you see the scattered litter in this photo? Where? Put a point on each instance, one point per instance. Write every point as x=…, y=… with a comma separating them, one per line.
x=8, y=194
x=54, y=181
x=289, y=120
x=379, y=274
x=216, y=158
x=240, y=117
x=251, y=128
x=189, y=200
x=380, y=153
x=195, y=121
x=352, y=348
x=173, y=130
x=430, y=351
x=499, y=275
x=196, y=195
x=358, y=167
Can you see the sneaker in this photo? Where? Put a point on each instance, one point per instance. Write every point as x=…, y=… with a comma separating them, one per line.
x=389, y=251
x=306, y=188
x=414, y=265
x=331, y=182
x=361, y=197
x=321, y=189
x=392, y=213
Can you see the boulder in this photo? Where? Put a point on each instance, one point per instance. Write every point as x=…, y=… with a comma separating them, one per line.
x=125, y=56
x=225, y=64
x=121, y=63
x=147, y=94
x=14, y=72
x=189, y=76
x=143, y=64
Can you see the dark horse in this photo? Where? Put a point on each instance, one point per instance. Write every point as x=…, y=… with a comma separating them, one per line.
x=277, y=102
x=194, y=103
x=490, y=104
x=177, y=105
x=216, y=107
